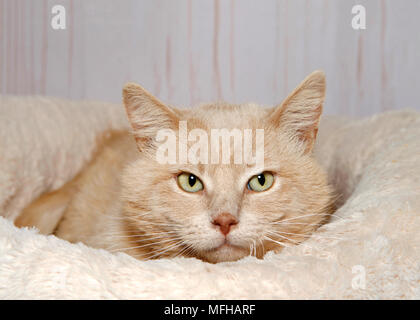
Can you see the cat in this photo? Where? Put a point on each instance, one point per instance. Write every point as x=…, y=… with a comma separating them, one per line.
x=125, y=201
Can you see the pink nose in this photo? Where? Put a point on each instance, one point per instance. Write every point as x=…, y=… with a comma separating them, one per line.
x=225, y=221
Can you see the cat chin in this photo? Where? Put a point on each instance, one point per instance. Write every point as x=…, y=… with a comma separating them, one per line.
x=225, y=253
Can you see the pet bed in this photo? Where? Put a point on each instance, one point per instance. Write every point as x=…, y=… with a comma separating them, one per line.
x=370, y=249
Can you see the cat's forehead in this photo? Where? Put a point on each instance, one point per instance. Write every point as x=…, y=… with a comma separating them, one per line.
x=229, y=116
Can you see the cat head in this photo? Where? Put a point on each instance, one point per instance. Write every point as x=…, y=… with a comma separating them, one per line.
x=225, y=211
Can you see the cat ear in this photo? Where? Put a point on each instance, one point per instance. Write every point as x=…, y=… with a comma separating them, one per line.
x=146, y=114
x=299, y=113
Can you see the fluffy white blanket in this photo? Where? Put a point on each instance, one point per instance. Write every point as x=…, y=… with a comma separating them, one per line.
x=369, y=250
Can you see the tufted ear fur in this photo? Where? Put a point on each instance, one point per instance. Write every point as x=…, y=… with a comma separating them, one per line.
x=299, y=113
x=147, y=114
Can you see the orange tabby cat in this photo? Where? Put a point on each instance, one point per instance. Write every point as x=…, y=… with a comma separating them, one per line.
x=125, y=200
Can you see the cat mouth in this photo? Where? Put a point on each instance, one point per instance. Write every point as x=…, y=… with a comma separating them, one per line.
x=225, y=252
x=227, y=246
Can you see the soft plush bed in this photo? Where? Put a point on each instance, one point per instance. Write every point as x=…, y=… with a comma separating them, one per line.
x=370, y=249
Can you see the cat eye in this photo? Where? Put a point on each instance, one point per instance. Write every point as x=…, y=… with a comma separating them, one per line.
x=189, y=182
x=261, y=182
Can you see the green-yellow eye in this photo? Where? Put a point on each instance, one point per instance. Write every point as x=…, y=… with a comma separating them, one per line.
x=261, y=182
x=189, y=182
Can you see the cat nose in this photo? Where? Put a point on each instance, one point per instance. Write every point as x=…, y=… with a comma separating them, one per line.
x=225, y=221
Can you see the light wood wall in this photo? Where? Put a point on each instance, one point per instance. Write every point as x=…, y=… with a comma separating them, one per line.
x=191, y=51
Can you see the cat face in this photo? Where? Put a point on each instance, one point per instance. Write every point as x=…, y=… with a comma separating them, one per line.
x=225, y=211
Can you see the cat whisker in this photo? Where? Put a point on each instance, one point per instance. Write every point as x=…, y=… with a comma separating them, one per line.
x=154, y=223
x=251, y=247
x=284, y=237
x=119, y=235
x=297, y=243
x=313, y=235
x=187, y=249
x=162, y=251
x=262, y=245
x=305, y=216
x=147, y=238
x=148, y=244
x=279, y=243
x=136, y=219
x=294, y=222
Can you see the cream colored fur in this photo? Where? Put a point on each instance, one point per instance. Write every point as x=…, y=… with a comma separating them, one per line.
x=373, y=162
x=126, y=200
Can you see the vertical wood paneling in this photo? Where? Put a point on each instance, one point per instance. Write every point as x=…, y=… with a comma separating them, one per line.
x=2, y=45
x=189, y=51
